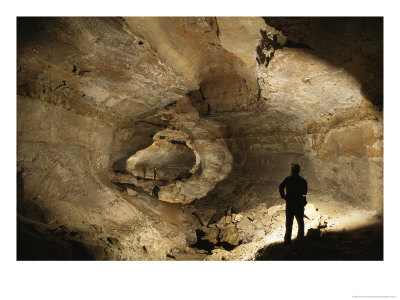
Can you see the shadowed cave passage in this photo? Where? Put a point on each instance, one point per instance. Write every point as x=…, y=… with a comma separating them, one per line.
x=222, y=93
x=211, y=110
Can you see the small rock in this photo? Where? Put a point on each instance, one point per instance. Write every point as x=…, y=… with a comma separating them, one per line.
x=131, y=192
x=314, y=224
x=237, y=218
x=266, y=220
x=257, y=216
x=229, y=226
x=221, y=222
x=230, y=235
x=210, y=234
x=200, y=251
x=262, y=207
x=280, y=215
x=258, y=224
x=191, y=238
x=175, y=250
x=273, y=209
x=245, y=223
x=323, y=223
x=258, y=235
x=228, y=219
x=311, y=212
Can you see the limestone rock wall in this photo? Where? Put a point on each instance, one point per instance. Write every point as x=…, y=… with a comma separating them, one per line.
x=77, y=81
x=329, y=124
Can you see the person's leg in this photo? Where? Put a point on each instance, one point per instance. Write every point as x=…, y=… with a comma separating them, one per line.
x=289, y=224
x=300, y=222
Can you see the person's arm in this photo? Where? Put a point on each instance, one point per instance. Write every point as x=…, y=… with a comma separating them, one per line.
x=305, y=187
x=282, y=189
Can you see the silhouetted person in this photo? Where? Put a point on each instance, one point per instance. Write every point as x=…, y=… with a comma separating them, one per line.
x=155, y=191
x=155, y=173
x=144, y=172
x=296, y=191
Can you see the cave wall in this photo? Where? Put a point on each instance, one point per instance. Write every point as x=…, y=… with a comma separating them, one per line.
x=314, y=110
x=77, y=103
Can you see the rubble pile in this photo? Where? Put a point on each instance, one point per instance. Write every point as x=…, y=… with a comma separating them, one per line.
x=253, y=228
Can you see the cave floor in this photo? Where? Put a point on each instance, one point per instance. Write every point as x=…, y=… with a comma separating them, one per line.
x=364, y=243
x=352, y=233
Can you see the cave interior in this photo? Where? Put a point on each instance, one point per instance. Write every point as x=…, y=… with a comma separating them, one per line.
x=166, y=138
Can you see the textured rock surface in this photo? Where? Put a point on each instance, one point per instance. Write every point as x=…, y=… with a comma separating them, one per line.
x=220, y=107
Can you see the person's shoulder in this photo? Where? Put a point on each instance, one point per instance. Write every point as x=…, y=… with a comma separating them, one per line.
x=303, y=179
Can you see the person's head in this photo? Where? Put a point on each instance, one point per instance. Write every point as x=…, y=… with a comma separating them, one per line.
x=295, y=169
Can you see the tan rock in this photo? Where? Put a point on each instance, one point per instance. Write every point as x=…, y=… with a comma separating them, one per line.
x=230, y=235
x=273, y=209
x=228, y=219
x=237, y=218
x=131, y=192
x=266, y=220
x=258, y=224
x=221, y=222
x=244, y=224
x=211, y=234
x=258, y=235
x=311, y=212
x=257, y=215
x=229, y=226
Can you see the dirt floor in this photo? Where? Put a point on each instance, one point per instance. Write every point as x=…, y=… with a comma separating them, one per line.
x=348, y=233
x=365, y=243
x=352, y=233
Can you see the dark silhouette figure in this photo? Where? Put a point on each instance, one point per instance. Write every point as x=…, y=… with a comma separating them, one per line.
x=296, y=191
x=155, y=173
x=155, y=191
x=144, y=172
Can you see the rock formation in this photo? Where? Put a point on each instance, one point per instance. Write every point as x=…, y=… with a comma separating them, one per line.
x=212, y=111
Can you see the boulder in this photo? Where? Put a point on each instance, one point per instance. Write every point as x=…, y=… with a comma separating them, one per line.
x=210, y=234
x=273, y=209
x=236, y=218
x=311, y=212
x=230, y=235
x=258, y=224
x=258, y=235
x=244, y=224
x=266, y=220
x=314, y=223
x=257, y=215
x=221, y=222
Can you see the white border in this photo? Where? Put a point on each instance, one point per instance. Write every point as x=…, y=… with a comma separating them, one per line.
x=183, y=280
